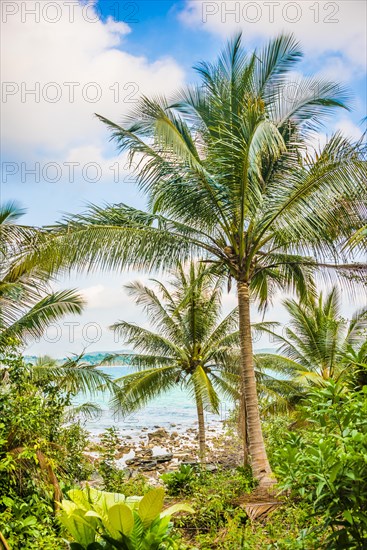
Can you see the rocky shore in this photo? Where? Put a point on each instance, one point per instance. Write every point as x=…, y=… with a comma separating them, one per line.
x=160, y=451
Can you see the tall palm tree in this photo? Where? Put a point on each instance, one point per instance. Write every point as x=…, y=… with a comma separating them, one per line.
x=318, y=344
x=229, y=177
x=189, y=347
x=26, y=305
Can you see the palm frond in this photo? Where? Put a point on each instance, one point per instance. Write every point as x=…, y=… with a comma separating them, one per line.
x=35, y=321
x=138, y=389
x=88, y=411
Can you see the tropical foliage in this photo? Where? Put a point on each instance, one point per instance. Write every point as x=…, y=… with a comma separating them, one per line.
x=181, y=481
x=326, y=465
x=98, y=519
x=73, y=376
x=230, y=175
x=39, y=454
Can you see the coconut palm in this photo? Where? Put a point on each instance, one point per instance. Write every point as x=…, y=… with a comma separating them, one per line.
x=318, y=344
x=229, y=178
x=189, y=347
x=26, y=306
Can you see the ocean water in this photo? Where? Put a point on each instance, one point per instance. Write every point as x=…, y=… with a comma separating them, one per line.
x=174, y=411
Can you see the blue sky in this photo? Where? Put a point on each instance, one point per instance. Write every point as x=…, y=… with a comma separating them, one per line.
x=113, y=51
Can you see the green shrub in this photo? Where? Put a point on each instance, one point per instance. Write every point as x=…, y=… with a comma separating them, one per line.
x=288, y=528
x=114, y=478
x=180, y=482
x=36, y=451
x=326, y=466
x=136, y=485
x=72, y=442
x=28, y=522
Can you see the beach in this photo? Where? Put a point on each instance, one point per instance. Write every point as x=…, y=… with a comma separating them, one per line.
x=162, y=435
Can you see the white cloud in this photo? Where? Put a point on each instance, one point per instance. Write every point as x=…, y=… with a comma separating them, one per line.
x=82, y=65
x=338, y=69
x=322, y=27
x=87, y=165
x=93, y=295
x=106, y=297
x=229, y=301
x=350, y=130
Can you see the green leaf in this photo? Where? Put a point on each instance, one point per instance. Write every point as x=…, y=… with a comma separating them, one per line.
x=81, y=498
x=334, y=472
x=319, y=488
x=30, y=520
x=177, y=508
x=348, y=516
x=83, y=531
x=68, y=506
x=133, y=501
x=92, y=514
x=121, y=519
x=8, y=501
x=137, y=533
x=150, y=506
x=110, y=499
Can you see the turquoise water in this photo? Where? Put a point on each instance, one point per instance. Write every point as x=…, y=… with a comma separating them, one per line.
x=174, y=411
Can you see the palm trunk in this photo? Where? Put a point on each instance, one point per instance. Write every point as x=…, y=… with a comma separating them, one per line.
x=200, y=413
x=242, y=427
x=259, y=460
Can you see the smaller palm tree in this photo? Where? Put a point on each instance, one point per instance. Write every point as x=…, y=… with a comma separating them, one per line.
x=190, y=347
x=318, y=344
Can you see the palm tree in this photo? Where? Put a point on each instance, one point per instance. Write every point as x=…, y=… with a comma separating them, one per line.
x=190, y=346
x=229, y=178
x=26, y=305
x=318, y=344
